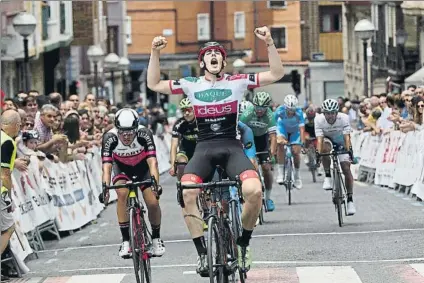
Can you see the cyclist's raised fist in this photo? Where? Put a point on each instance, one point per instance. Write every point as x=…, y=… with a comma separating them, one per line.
x=264, y=34
x=159, y=42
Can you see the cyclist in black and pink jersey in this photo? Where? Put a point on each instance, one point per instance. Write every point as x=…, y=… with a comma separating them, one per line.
x=215, y=98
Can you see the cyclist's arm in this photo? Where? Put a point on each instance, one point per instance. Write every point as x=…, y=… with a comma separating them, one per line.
x=273, y=143
x=346, y=133
x=153, y=75
x=145, y=138
x=272, y=128
x=301, y=125
x=109, y=142
x=302, y=134
x=173, y=151
x=319, y=133
x=7, y=149
x=276, y=69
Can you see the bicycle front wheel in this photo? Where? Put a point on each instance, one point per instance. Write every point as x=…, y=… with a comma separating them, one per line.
x=289, y=185
x=147, y=239
x=312, y=164
x=215, y=252
x=136, y=239
x=338, y=197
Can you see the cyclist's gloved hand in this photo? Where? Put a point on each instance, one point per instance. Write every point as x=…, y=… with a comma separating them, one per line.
x=104, y=196
x=158, y=191
x=318, y=158
x=303, y=149
x=6, y=198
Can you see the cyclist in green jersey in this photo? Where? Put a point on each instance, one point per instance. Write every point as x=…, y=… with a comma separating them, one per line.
x=260, y=118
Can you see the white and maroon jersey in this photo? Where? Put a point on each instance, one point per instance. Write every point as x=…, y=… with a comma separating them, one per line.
x=216, y=105
x=113, y=150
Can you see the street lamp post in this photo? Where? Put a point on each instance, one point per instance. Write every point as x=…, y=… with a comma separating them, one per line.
x=401, y=38
x=95, y=54
x=123, y=66
x=111, y=64
x=25, y=24
x=365, y=30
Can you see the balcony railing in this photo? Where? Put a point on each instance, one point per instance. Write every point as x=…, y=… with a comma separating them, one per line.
x=45, y=16
x=395, y=60
x=379, y=57
x=62, y=18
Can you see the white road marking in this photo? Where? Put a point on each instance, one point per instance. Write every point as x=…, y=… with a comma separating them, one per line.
x=189, y=272
x=93, y=231
x=104, y=224
x=83, y=238
x=51, y=260
x=335, y=262
x=419, y=267
x=417, y=204
x=361, y=184
x=258, y=236
x=98, y=278
x=327, y=274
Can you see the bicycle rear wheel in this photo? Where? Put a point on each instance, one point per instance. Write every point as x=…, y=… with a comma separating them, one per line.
x=136, y=239
x=215, y=251
x=312, y=164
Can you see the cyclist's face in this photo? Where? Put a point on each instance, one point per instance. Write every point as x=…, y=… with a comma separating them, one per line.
x=127, y=137
x=291, y=112
x=214, y=60
x=188, y=113
x=260, y=110
x=330, y=117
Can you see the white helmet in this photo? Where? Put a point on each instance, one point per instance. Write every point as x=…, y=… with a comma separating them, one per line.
x=245, y=104
x=126, y=119
x=330, y=105
x=291, y=101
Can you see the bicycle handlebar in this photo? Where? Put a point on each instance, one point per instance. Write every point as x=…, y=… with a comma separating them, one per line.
x=209, y=185
x=332, y=153
x=130, y=184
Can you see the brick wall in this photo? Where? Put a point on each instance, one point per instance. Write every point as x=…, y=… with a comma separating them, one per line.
x=84, y=14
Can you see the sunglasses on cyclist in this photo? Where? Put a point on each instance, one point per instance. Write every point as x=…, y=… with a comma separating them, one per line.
x=260, y=108
x=188, y=109
x=126, y=133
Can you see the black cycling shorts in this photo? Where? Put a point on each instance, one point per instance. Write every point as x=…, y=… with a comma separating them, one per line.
x=228, y=154
x=262, y=144
x=138, y=173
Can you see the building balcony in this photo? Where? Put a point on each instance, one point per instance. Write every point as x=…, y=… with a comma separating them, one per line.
x=331, y=44
x=402, y=65
x=379, y=57
x=45, y=16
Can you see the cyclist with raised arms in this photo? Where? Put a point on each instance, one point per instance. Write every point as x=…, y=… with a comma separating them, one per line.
x=130, y=152
x=260, y=118
x=215, y=98
x=184, y=137
x=290, y=129
x=333, y=128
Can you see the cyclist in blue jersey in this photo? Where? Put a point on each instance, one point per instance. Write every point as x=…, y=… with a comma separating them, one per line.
x=248, y=142
x=290, y=129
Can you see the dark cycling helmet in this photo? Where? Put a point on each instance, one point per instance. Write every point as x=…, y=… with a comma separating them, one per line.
x=126, y=119
x=209, y=46
x=310, y=113
x=29, y=135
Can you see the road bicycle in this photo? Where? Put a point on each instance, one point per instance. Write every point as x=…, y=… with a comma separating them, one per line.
x=339, y=193
x=288, y=171
x=311, y=153
x=140, y=235
x=264, y=207
x=222, y=231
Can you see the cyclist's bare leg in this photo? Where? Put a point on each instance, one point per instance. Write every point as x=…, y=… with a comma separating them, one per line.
x=191, y=213
x=348, y=177
x=326, y=160
x=153, y=210
x=267, y=173
x=123, y=219
x=252, y=194
x=281, y=157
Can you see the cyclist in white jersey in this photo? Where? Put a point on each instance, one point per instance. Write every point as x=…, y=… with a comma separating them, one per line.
x=215, y=98
x=333, y=128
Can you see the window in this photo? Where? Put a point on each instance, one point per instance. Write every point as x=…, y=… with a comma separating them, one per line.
x=128, y=31
x=203, y=27
x=331, y=18
x=277, y=4
x=279, y=34
x=239, y=25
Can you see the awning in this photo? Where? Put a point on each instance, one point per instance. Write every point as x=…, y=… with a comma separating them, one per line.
x=416, y=78
x=413, y=8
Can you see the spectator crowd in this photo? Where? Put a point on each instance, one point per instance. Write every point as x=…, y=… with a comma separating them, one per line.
x=65, y=130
